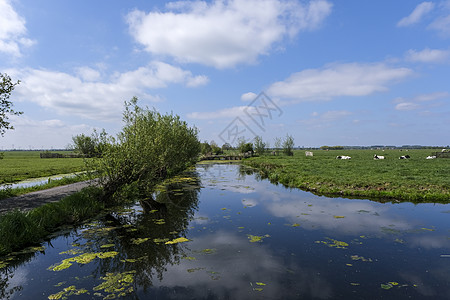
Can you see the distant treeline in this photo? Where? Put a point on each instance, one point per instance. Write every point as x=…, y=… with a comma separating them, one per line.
x=60, y=155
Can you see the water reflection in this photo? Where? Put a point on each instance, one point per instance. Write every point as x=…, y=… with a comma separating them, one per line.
x=244, y=238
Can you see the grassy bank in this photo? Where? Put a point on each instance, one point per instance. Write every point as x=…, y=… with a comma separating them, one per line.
x=416, y=179
x=19, y=229
x=12, y=192
x=20, y=165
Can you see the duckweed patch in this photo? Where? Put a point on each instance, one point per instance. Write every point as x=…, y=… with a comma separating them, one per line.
x=84, y=258
x=257, y=238
x=67, y=292
x=333, y=243
x=356, y=257
x=116, y=284
x=176, y=241
x=139, y=241
x=209, y=251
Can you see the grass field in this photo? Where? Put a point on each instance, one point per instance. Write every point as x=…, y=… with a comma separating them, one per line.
x=20, y=165
x=416, y=179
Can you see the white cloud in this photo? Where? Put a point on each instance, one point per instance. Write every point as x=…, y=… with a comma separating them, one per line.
x=51, y=133
x=227, y=113
x=336, y=80
x=413, y=103
x=223, y=33
x=406, y=106
x=428, y=55
x=248, y=96
x=418, y=13
x=85, y=96
x=88, y=74
x=12, y=30
x=442, y=25
x=431, y=96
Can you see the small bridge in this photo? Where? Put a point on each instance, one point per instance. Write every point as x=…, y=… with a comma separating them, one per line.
x=225, y=157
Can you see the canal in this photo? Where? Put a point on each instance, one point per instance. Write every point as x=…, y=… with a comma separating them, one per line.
x=221, y=232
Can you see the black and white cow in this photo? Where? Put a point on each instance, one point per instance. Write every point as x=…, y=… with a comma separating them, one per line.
x=343, y=157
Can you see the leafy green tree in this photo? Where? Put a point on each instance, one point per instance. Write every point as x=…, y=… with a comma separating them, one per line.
x=243, y=146
x=259, y=145
x=206, y=148
x=288, y=145
x=215, y=148
x=227, y=146
x=90, y=146
x=150, y=148
x=6, y=88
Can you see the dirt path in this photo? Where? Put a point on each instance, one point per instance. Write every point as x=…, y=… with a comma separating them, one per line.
x=35, y=199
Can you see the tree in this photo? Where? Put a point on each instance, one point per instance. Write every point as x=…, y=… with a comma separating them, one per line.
x=227, y=146
x=215, y=148
x=150, y=148
x=205, y=148
x=6, y=88
x=288, y=145
x=259, y=145
x=90, y=146
x=243, y=146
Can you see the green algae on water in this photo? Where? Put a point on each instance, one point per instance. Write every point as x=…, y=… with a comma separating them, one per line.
x=116, y=284
x=84, y=258
x=176, y=241
x=256, y=238
x=333, y=243
x=66, y=292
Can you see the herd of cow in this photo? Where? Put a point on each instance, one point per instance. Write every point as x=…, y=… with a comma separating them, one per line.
x=375, y=157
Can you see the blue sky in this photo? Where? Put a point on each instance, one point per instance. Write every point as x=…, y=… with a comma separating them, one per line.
x=326, y=72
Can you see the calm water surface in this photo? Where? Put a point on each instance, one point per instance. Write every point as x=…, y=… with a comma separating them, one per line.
x=243, y=238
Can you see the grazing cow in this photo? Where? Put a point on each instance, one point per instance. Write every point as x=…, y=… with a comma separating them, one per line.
x=378, y=157
x=431, y=156
x=444, y=150
x=404, y=157
x=343, y=157
x=308, y=153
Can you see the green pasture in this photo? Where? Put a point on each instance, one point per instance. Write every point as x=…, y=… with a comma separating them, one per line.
x=415, y=179
x=20, y=165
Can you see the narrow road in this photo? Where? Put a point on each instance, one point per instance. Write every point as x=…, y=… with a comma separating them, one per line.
x=35, y=199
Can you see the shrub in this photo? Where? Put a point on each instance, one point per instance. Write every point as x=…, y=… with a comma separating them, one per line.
x=150, y=148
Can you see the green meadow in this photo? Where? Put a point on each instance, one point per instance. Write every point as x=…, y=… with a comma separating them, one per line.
x=20, y=165
x=416, y=179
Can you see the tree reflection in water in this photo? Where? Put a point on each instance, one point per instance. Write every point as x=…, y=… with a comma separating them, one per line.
x=137, y=233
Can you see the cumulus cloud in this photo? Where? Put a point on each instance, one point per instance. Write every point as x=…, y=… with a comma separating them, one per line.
x=407, y=106
x=353, y=79
x=442, y=25
x=417, y=14
x=227, y=113
x=223, y=34
x=12, y=30
x=52, y=133
x=417, y=102
x=248, y=96
x=84, y=95
x=428, y=55
x=88, y=74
